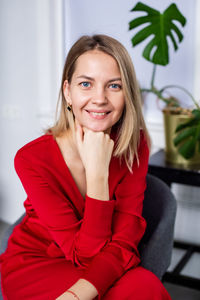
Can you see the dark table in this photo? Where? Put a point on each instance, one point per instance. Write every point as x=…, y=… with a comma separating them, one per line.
x=176, y=174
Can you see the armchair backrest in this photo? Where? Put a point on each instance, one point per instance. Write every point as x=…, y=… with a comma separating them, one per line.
x=159, y=210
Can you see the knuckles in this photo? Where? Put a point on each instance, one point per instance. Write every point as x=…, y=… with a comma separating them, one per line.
x=98, y=137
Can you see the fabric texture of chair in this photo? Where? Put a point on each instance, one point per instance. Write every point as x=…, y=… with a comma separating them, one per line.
x=159, y=211
x=157, y=244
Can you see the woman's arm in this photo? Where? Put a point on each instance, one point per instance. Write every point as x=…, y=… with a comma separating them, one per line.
x=95, y=149
x=83, y=289
x=128, y=227
x=80, y=238
x=48, y=204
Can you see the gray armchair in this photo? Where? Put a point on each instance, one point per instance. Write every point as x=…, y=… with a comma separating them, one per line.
x=160, y=212
x=156, y=245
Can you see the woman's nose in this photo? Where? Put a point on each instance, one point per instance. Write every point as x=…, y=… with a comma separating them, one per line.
x=99, y=96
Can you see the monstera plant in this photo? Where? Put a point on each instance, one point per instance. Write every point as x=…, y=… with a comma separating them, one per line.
x=161, y=29
x=188, y=137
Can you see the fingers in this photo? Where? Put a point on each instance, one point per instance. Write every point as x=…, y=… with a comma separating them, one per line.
x=83, y=134
x=80, y=128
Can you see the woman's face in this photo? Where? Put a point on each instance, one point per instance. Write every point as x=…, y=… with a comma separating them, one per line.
x=95, y=91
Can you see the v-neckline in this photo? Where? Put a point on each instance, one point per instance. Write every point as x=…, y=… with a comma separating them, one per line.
x=67, y=168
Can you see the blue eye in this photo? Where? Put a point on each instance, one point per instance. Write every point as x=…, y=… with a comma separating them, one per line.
x=85, y=84
x=115, y=86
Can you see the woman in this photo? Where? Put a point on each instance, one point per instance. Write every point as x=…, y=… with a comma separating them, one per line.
x=85, y=182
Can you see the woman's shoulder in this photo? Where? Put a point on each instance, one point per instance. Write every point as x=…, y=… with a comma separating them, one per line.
x=37, y=145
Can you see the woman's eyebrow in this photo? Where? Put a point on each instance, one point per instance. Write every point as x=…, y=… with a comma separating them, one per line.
x=115, y=79
x=92, y=79
x=86, y=77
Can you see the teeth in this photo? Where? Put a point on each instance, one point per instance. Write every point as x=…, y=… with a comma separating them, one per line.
x=98, y=114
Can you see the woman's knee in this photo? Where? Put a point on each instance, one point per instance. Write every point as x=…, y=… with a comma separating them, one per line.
x=138, y=283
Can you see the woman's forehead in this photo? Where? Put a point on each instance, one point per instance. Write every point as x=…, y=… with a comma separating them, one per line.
x=95, y=62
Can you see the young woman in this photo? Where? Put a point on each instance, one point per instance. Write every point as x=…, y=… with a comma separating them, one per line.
x=85, y=183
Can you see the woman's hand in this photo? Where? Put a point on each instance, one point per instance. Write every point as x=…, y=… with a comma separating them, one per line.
x=95, y=149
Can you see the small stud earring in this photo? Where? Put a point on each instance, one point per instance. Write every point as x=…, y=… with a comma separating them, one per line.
x=69, y=107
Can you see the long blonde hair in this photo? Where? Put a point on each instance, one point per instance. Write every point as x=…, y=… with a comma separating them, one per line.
x=132, y=121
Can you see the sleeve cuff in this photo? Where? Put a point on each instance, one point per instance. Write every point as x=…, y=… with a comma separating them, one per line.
x=97, y=218
x=103, y=272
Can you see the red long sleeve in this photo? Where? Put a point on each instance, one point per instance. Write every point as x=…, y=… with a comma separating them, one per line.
x=121, y=253
x=79, y=239
x=99, y=236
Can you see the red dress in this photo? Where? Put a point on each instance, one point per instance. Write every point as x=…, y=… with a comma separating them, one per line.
x=64, y=237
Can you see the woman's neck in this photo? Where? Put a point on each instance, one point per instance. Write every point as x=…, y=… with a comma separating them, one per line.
x=68, y=140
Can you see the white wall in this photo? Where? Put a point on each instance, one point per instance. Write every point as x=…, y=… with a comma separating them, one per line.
x=30, y=58
x=18, y=96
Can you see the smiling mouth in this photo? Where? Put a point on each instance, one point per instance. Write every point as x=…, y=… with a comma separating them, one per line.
x=98, y=115
x=94, y=113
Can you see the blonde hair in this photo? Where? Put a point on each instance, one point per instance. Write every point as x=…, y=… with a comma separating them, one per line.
x=132, y=121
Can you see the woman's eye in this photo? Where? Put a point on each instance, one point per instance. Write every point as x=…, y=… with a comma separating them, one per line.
x=115, y=86
x=85, y=84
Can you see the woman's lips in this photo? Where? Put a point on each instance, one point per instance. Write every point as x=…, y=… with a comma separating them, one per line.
x=98, y=115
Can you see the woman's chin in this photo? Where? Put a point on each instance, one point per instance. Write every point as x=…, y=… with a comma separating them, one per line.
x=95, y=127
x=99, y=129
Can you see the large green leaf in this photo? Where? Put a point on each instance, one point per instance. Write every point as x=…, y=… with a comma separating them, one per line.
x=193, y=121
x=188, y=135
x=187, y=150
x=183, y=135
x=160, y=26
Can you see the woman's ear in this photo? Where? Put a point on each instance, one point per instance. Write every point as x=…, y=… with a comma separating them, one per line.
x=66, y=92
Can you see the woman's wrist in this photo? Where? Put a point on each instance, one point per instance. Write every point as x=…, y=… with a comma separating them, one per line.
x=92, y=175
x=83, y=290
x=98, y=188
x=73, y=294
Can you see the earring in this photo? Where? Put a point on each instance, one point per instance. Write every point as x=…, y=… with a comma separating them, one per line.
x=69, y=107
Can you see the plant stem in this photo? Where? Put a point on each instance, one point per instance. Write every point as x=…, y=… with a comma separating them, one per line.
x=183, y=89
x=153, y=76
x=158, y=94
x=170, y=101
